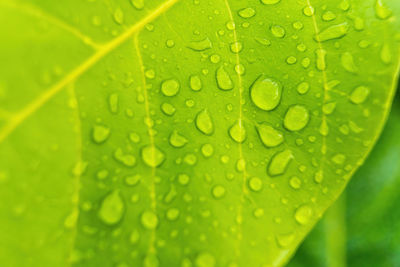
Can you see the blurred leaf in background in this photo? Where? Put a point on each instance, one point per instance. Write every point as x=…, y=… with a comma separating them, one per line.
x=363, y=227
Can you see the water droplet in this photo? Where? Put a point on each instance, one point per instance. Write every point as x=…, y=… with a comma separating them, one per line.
x=113, y=102
x=291, y=60
x=296, y=118
x=280, y=162
x=151, y=260
x=183, y=179
x=319, y=176
x=328, y=16
x=218, y=191
x=270, y=2
x=204, y=122
x=133, y=180
x=126, y=159
x=207, y=150
x=149, y=220
x=201, y=45
x=329, y=108
x=177, y=140
x=195, y=83
x=348, y=62
x=255, y=184
x=224, y=81
x=172, y=214
x=278, y=31
x=295, y=182
x=269, y=136
x=381, y=10
x=333, y=32
x=238, y=132
x=152, y=156
x=205, y=259
x=308, y=11
x=134, y=237
x=112, y=208
x=359, y=95
x=324, y=128
x=285, y=240
x=138, y=4
x=339, y=159
x=386, y=54
x=100, y=133
x=303, y=214
x=119, y=16
x=303, y=88
x=168, y=109
x=247, y=12
x=170, y=87
x=266, y=93
x=236, y=47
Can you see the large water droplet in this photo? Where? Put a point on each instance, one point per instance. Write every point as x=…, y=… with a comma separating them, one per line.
x=280, y=162
x=333, y=32
x=296, y=118
x=112, y=208
x=170, y=87
x=381, y=10
x=204, y=122
x=237, y=132
x=200, y=45
x=247, y=12
x=269, y=136
x=152, y=156
x=303, y=214
x=100, y=133
x=359, y=95
x=177, y=140
x=278, y=31
x=224, y=81
x=266, y=93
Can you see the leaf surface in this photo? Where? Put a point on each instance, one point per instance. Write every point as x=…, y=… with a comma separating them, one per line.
x=193, y=133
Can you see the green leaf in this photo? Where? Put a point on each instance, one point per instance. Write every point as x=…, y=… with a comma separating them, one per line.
x=362, y=228
x=184, y=133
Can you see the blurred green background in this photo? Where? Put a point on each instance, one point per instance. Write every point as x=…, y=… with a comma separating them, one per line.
x=362, y=229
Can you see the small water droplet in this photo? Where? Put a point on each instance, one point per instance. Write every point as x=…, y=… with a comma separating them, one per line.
x=266, y=93
x=112, y=208
x=269, y=136
x=308, y=11
x=280, y=162
x=285, y=240
x=149, y=220
x=170, y=87
x=303, y=88
x=177, y=140
x=195, y=83
x=201, y=45
x=172, y=214
x=348, y=62
x=100, y=133
x=381, y=10
x=168, y=109
x=303, y=214
x=218, y=191
x=247, y=12
x=278, y=31
x=270, y=2
x=119, y=16
x=255, y=184
x=321, y=59
x=113, y=102
x=333, y=32
x=152, y=156
x=359, y=95
x=296, y=118
x=205, y=259
x=224, y=81
x=236, y=47
x=207, y=150
x=238, y=132
x=295, y=182
x=138, y=4
x=204, y=122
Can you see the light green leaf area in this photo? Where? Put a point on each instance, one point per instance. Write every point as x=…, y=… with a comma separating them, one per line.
x=184, y=133
x=362, y=228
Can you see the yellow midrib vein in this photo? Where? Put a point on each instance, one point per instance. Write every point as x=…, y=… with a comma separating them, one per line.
x=325, y=88
x=244, y=172
x=32, y=107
